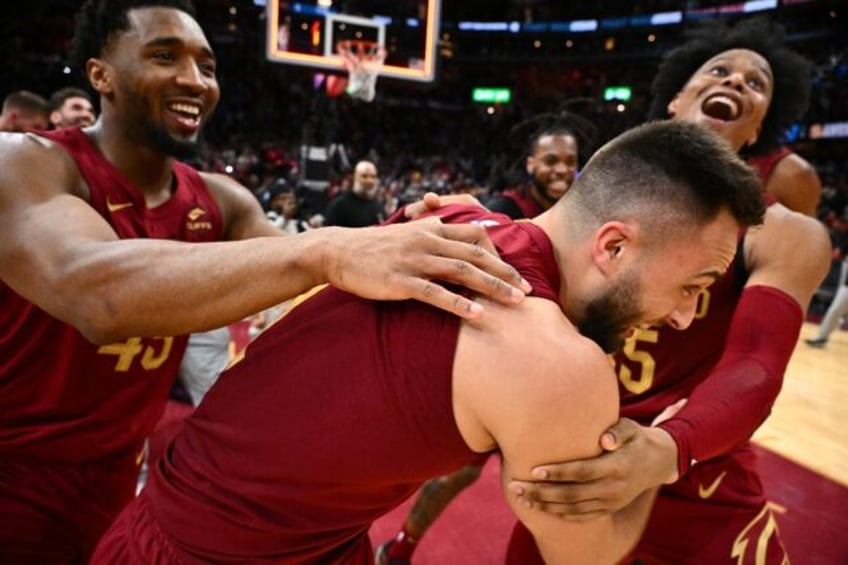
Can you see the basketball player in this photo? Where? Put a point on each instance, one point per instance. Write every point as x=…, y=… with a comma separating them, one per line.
x=71, y=107
x=363, y=400
x=729, y=364
x=551, y=164
x=92, y=289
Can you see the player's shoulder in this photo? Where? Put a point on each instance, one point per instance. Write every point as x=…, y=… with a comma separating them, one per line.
x=38, y=161
x=538, y=330
x=225, y=188
x=789, y=237
x=29, y=146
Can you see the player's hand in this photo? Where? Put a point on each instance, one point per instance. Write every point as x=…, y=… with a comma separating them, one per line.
x=402, y=261
x=635, y=459
x=432, y=201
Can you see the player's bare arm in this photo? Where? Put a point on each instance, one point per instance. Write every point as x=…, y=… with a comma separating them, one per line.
x=556, y=406
x=795, y=184
x=789, y=253
x=60, y=254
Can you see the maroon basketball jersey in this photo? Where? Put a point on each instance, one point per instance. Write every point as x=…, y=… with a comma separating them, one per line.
x=765, y=164
x=659, y=366
x=63, y=398
x=252, y=477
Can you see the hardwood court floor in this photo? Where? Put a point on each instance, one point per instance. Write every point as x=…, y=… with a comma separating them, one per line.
x=809, y=423
x=803, y=462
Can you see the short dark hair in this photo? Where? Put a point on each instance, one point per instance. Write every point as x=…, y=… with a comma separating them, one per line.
x=759, y=34
x=58, y=98
x=25, y=101
x=98, y=20
x=671, y=172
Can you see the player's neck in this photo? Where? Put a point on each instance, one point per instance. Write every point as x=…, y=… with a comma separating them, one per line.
x=149, y=170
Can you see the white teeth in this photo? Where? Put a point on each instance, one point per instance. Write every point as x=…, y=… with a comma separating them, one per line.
x=185, y=108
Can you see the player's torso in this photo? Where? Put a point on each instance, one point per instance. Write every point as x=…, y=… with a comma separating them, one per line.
x=57, y=389
x=332, y=362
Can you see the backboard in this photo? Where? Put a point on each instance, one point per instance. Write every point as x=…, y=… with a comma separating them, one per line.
x=307, y=32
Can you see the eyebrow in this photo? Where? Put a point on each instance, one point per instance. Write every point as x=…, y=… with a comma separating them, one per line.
x=715, y=275
x=763, y=69
x=171, y=41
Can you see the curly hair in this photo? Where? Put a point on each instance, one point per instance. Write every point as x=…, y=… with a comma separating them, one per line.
x=98, y=20
x=791, y=71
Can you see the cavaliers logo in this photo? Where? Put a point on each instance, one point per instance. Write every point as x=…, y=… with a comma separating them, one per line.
x=196, y=221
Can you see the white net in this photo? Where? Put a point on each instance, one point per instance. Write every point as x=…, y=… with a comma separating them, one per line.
x=363, y=60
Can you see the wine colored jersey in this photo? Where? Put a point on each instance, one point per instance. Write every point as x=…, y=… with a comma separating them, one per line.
x=337, y=414
x=63, y=398
x=659, y=366
x=515, y=203
x=765, y=164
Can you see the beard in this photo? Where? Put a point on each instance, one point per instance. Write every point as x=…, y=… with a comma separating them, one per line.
x=164, y=142
x=611, y=314
x=542, y=191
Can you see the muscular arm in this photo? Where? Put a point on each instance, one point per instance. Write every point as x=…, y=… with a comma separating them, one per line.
x=788, y=258
x=555, y=406
x=795, y=184
x=58, y=253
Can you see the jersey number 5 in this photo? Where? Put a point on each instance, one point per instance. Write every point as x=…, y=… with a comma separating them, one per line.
x=647, y=365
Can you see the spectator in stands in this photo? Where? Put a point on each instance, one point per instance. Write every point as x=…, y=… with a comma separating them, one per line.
x=360, y=206
x=837, y=310
x=284, y=208
x=24, y=111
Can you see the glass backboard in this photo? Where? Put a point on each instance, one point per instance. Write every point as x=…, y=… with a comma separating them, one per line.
x=307, y=33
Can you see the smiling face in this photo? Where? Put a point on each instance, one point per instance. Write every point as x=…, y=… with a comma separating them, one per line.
x=552, y=165
x=163, y=85
x=662, y=285
x=730, y=93
x=74, y=111
x=365, y=180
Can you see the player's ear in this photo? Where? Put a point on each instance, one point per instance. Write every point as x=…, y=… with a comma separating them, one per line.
x=672, y=106
x=529, y=163
x=99, y=75
x=754, y=136
x=611, y=245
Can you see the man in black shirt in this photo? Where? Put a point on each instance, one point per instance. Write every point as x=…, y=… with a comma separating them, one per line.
x=358, y=207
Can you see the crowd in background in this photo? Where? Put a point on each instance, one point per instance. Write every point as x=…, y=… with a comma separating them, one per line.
x=420, y=138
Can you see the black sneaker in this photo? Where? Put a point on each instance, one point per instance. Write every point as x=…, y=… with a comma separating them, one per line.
x=818, y=342
x=381, y=556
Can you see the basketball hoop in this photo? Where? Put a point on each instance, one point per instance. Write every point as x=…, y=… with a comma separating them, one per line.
x=363, y=60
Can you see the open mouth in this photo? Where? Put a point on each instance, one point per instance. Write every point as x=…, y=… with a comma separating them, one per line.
x=186, y=114
x=721, y=107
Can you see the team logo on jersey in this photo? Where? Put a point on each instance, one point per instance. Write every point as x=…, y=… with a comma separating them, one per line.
x=112, y=207
x=707, y=492
x=195, y=222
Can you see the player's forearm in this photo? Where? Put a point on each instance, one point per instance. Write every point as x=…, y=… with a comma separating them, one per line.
x=601, y=541
x=119, y=289
x=630, y=521
x=737, y=396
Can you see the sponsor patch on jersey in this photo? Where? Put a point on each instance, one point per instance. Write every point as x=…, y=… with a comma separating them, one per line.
x=195, y=223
